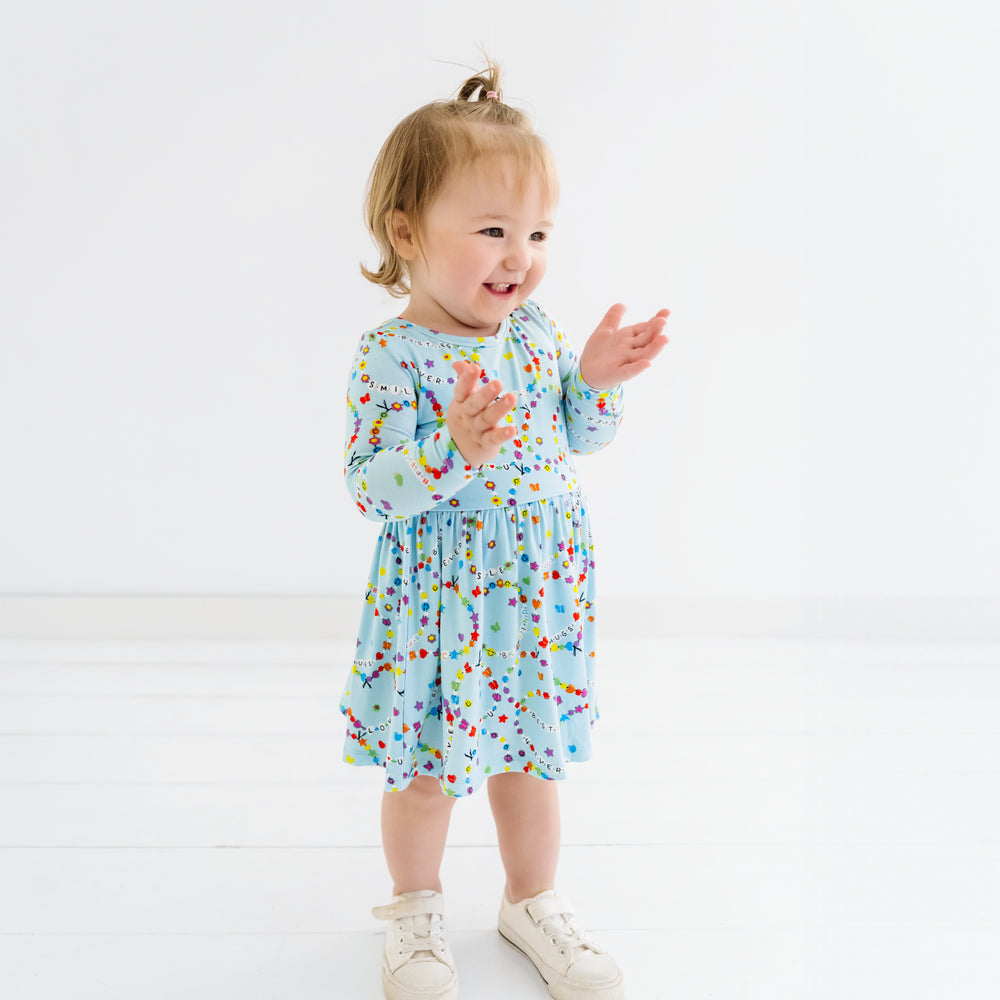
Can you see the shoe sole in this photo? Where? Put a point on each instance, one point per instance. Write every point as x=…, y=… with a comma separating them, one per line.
x=531, y=961
x=574, y=994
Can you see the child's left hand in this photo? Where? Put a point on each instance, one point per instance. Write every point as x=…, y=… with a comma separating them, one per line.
x=614, y=355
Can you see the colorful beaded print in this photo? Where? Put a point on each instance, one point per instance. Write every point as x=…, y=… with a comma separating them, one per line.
x=475, y=653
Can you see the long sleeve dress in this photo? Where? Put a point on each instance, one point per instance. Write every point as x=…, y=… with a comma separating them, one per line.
x=475, y=652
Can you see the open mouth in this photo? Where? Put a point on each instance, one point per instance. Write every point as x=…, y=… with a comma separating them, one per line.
x=501, y=289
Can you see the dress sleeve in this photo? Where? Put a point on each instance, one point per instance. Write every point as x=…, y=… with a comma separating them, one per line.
x=592, y=415
x=389, y=472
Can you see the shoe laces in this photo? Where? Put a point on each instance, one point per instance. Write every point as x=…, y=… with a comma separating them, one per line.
x=421, y=935
x=565, y=933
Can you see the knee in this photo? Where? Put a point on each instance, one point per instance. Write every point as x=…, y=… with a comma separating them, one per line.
x=429, y=793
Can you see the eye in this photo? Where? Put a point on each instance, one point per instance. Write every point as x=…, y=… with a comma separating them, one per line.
x=494, y=231
x=539, y=237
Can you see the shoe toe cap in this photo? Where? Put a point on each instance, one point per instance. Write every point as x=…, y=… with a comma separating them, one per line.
x=594, y=969
x=430, y=978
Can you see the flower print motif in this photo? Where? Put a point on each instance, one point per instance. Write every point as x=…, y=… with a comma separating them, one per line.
x=439, y=583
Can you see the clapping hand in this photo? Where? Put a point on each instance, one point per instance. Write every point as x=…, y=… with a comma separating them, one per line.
x=474, y=413
x=615, y=353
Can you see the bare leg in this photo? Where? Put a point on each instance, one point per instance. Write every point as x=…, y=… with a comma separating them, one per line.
x=414, y=830
x=526, y=813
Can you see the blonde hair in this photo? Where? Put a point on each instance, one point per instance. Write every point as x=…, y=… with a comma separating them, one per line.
x=426, y=147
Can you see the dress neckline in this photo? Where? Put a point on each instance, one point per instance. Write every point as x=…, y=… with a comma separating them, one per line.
x=453, y=338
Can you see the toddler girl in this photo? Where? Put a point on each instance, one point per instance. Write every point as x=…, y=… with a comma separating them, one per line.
x=475, y=655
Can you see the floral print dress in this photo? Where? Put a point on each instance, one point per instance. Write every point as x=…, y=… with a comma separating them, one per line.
x=475, y=652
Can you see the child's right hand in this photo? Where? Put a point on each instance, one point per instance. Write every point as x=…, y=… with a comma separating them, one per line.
x=474, y=414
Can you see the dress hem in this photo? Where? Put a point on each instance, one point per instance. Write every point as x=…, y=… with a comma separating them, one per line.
x=465, y=791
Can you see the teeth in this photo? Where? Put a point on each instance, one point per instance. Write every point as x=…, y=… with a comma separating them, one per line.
x=499, y=287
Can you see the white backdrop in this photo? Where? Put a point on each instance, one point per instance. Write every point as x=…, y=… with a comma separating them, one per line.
x=812, y=192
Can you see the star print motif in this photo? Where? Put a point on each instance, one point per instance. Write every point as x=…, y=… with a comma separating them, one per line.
x=508, y=545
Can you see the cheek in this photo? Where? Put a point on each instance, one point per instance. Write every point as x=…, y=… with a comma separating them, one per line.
x=469, y=261
x=457, y=268
x=538, y=266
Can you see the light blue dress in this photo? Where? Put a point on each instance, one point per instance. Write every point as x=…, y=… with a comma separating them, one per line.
x=475, y=652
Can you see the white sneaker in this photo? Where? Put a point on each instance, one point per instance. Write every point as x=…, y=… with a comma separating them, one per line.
x=545, y=930
x=417, y=964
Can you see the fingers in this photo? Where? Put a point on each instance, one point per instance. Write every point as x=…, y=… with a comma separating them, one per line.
x=616, y=353
x=495, y=412
x=469, y=389
x=488, y=401
x=634, y=368
x=468, y=377
x=644, y=334
x=649, y=332
x=498, y=435
x=640, y=333
x=613, y=317
x=481, y=402
x=651, y=349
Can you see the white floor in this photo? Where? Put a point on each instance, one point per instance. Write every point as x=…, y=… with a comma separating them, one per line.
x=799, y=820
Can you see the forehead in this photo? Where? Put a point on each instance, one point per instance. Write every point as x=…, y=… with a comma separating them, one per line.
x=488, y=185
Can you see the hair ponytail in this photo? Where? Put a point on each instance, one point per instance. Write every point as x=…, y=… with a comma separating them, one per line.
x=487, y=83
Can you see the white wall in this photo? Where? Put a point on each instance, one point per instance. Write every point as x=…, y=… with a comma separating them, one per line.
x=810, y=188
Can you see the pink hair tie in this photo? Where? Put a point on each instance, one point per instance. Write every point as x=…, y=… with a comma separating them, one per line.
x=492, y=95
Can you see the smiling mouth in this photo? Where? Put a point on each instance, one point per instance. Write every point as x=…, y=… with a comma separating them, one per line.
x=500, y=288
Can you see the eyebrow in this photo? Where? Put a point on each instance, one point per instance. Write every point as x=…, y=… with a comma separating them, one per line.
x=506, y=218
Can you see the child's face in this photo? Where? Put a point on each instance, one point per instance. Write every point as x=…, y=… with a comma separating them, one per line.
x=484, y=250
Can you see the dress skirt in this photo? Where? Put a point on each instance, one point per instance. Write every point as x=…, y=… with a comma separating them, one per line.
x=475, y=652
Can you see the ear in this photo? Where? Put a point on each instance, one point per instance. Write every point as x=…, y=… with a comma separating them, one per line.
x=401, y=236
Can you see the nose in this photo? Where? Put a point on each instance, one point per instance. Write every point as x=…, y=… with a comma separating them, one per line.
x=518, y=258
